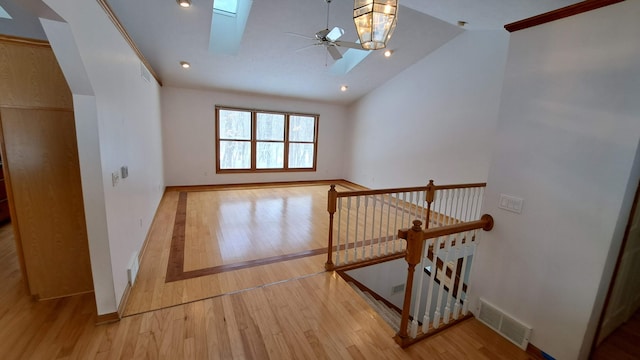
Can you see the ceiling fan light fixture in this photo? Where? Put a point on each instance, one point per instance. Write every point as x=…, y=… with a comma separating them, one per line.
x=184, y=3
x=375, y=21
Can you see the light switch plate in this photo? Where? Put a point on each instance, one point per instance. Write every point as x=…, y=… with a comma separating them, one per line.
x=511, y=203
x=115, y=176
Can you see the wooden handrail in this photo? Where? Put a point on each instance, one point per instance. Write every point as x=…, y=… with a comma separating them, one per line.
x=379, y=191
x=485, y=223
x=429, y=190
x=458, y=186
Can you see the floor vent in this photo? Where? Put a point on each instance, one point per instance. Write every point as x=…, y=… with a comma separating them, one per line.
x=132, y=270
x=512, y=329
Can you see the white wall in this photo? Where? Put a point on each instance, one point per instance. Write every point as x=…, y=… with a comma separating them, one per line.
x=118, y=123
x=568, y=131
x=435, y=120
x=188, y=121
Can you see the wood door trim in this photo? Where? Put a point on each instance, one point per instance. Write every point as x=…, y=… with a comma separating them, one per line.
x=31, y=107
x=614, y=277
x=24, y=41
x=558, y=14
x=12, y=211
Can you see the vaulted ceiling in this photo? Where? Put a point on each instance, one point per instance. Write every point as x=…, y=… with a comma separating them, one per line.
x=270, y=60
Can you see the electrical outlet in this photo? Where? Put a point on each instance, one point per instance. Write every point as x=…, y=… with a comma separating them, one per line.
x=511, y=203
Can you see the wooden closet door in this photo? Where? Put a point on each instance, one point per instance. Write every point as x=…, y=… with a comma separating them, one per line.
x=42, y=162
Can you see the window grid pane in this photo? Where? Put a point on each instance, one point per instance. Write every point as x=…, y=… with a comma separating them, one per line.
x=300, y=155
x=234, y=125
x=270, y=155
x=270, y=126
x=235, y=154
x=302, y=128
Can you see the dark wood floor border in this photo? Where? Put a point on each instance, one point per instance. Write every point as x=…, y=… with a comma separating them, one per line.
x=260, y=185
x=175, y=265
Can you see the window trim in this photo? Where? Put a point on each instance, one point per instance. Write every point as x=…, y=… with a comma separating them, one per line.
x=254, y=141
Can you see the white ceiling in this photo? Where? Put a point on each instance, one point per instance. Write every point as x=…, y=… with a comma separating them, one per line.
x=268, y=61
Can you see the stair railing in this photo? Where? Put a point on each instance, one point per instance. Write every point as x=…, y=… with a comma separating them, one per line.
x=446, y=252
x=363, y=224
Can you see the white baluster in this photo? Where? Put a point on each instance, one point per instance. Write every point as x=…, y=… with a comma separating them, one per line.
x=418, y=298
x=410, y=217
x=404, y=201
x=463, y=251
x=456, y=253
x=373, y=224
x=474, y=198
x=395, y=223
x=357, y=222
x=386, y=242
x=440, y=195
x=465, y=304
x=456, y=215
x=449, y=206
x=432, y=277
x=348, y=230
x=364, y=228
x=380, y=225
x=467, y=207
x=338, y=233
x=437, y=314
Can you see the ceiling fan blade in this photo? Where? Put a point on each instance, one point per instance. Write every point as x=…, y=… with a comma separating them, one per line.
x=300, y=35
x=334, y=52
x=348, y=44
x=335, y=34
x=307, y=47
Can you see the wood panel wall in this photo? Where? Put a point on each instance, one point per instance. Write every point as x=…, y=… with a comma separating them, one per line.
x=40, y=153
x=31, y=77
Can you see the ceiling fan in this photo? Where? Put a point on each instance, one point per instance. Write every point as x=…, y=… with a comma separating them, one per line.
x=329, y=39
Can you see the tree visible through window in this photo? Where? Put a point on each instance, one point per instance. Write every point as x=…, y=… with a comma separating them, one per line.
x=254, y=140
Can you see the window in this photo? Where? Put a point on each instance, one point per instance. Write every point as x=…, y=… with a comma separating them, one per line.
x=265, y=141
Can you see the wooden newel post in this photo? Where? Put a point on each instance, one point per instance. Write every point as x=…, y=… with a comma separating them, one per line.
x=331, y=208
x=415, y=240
x=431, y=194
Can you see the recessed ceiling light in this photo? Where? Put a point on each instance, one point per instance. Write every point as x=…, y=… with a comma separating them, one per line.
x=185, y=65
x=343, y=88
x=388, y=53
x=184, y=3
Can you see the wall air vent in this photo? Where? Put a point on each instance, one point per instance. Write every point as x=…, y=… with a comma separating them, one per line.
x=505, y=325
x=397, y=289
x=144, y=73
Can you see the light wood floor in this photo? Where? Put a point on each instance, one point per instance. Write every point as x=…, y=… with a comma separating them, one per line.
x=229, y=240
x=313, y=317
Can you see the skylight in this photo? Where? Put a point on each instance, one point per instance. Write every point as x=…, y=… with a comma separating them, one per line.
x=350, y=59
x=4, y=14
x=227, y=25
x=226, y=7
